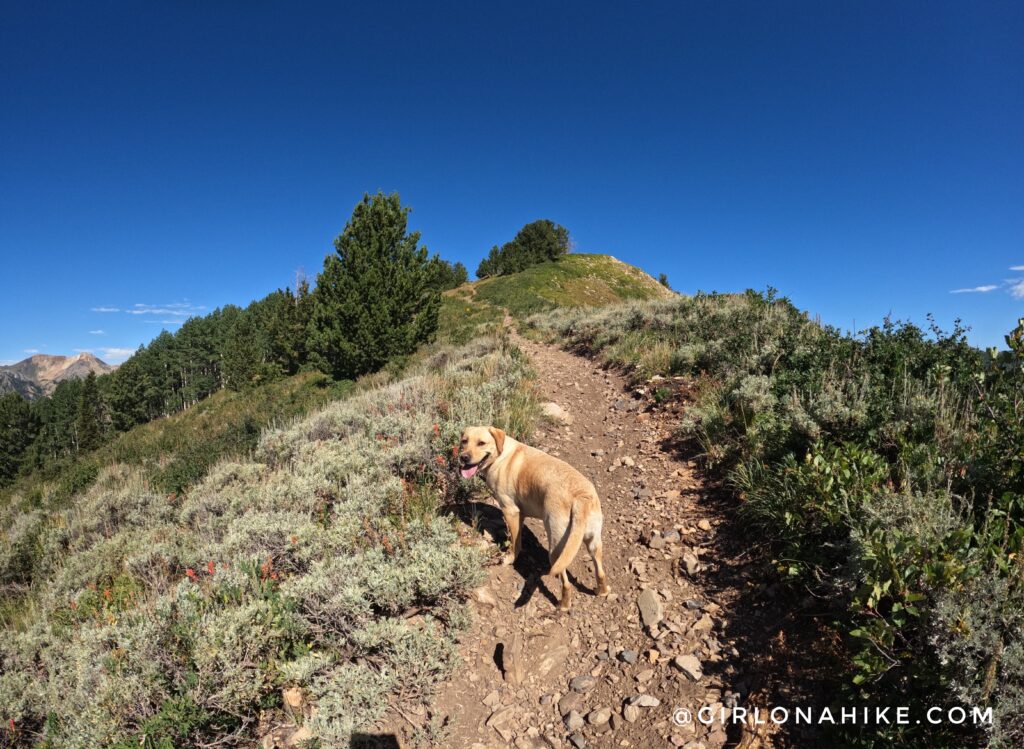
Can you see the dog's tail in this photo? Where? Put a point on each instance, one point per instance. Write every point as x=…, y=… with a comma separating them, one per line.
x=573, y=540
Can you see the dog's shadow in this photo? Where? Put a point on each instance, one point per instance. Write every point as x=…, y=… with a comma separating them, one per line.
x=532, y=563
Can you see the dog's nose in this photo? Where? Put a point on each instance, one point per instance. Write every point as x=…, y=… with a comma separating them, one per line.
x=464, y=458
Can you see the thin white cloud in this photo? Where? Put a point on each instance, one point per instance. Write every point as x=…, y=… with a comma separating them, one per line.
x=1017, y=289
x=165, y=322
x=114, y=355
x=976, y=290
x=177, y=309
x=7, y=362
x=97, y=332
x=106, y=309
x=1017, y=267
x=82, y=350
x=31, y=351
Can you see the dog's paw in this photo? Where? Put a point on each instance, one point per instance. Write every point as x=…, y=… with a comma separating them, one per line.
x=508, y=559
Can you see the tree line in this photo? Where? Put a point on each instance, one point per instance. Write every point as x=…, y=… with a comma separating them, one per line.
x=377, y=298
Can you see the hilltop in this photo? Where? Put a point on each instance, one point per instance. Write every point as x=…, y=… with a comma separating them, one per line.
x=40, y=374
x=575, y=280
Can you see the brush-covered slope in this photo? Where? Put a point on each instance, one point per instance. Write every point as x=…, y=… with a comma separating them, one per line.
x=316, y=562
x=176, y=451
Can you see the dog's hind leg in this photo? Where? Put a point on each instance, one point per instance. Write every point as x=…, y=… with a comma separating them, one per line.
x=557, y=529
x=566, y=599
x=593, y=543
x=514, y=522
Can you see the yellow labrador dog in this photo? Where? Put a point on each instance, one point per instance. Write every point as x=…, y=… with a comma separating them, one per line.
x=528, y=483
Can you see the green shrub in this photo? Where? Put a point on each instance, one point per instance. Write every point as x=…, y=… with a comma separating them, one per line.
x=887, y=468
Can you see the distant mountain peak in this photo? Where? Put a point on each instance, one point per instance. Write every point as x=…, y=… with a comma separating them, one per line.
x=39, y=374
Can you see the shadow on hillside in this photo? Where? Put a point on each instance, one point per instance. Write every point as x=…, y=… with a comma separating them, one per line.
x=531, y=564
x=785, y=656
x=375, y=741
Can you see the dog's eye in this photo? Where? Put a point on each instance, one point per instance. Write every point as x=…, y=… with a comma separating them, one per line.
x=480, y=443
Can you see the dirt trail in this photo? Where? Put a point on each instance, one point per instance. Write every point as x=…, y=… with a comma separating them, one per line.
x=533, y=677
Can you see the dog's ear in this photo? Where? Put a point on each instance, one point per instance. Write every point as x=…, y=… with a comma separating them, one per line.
x=499, y=438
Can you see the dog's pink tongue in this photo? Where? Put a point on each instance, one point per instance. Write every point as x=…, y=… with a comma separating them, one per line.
x=468, y=473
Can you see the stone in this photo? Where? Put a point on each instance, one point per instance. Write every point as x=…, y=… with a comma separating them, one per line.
x=644, y=700
x=691, y=563
x=645, y=676
x=582, y=683
x=493, y=699
x=631, y=713
x=657, y=542
x=501, y=720
x=628, y=462
x=671, y=536
x=704, y=525
x=577, y=741
x=573, y=721
x=600, y=716
x=650, y=608
x=568, y=703
x=293, y=697
x=628, y=656
x=703, y=625
x=689, y=665
x=550, y=653
x=512, y=660
x=485, y=596
x=299, y=737
x=556, y=413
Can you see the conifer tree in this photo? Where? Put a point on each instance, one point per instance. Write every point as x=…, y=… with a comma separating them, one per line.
x=89, y=421
x=374, y=299
x=18, y=427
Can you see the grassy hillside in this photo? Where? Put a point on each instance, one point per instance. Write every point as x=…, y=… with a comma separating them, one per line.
x=577, y=280
x=176, y=451
x=316, y=562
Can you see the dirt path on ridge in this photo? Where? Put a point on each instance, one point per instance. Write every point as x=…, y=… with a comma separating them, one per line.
x=533, y=677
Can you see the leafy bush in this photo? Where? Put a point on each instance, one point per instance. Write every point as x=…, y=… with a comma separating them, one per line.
x=888, y=469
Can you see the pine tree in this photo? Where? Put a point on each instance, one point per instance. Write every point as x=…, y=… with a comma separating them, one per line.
x=18, y=429
x=89, y=421
x=537, y=242
x=373, y=300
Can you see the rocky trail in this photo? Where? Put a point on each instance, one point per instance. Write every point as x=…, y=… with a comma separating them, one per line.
x=614, y=671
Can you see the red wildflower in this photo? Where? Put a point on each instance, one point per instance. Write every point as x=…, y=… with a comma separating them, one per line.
x=191, y=573
x=211, y=567
x=437, y=430
x=106, y=593
x=12, y=724
x=440, y=460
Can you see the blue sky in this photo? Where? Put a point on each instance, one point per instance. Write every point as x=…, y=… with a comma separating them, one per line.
x=161, y=159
